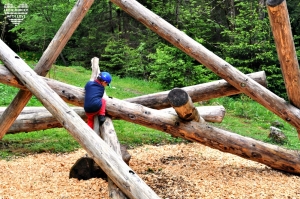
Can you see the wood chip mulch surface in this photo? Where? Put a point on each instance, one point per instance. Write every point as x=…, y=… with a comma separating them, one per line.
x=182, y=171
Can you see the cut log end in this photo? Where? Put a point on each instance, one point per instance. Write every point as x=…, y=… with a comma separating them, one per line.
x=274, y=3
x=178, y=97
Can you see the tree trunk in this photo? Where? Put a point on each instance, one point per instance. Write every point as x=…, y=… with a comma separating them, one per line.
x=201, y=92
x=116, y=169
x=48, y=58
x=108, y=134
x=208, y=113
x=36, y=119
x=261, y=9
x=198, y=93
x=219, y=66
x=39, y=118
x=281, y=28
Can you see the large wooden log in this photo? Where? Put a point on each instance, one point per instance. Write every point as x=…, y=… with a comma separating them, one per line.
x=183, y=105
x=108, y=134
x=281, y=28
x=36, y=119
x=208, y=113
x=198, y=93
x=48, y=58
x=236, y=78
x=39, y=118
x=121, y=174
x=201, y=92
x=270, y=155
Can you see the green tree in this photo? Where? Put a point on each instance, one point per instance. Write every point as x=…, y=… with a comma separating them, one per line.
x=41, y=23
x=173, y=68
x=250, y=46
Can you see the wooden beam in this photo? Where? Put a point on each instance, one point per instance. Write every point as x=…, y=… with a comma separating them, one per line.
x=48, y=58
x=183, y=105
x=213, y=114
x=201, y=92
x=281, y=28
x=36, y=119
x=39, y=118
x=198, y=93
x=271, y=155
x=122, y=175
x=108, y=134
x=236, y=78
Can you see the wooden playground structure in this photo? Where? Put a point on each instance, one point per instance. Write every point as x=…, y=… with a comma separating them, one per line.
x=186, y=121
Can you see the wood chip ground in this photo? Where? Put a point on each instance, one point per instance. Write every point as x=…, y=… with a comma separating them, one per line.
x=183, y=171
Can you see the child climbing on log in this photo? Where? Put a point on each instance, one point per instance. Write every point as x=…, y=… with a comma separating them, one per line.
x=94, y=104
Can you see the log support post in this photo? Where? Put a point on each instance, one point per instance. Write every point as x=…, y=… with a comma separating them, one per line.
x=281, y=28
x=183, y=105
x=108, y=134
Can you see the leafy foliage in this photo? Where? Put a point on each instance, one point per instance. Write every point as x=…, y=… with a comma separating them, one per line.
x=172, y=68
x=250, y=47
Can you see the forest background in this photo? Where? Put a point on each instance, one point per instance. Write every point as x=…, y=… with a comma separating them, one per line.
x=238, y=31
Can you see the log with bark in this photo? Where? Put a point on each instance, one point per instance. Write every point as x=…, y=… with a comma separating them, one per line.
x=283, y=37
x=36, y=119
x=107, y=132
x=183, y=105
x=39, y=118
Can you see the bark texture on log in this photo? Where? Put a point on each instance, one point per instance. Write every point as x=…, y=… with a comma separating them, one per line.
x=36, y=119
x=108, y=134
x=39, y=118
x=183, y=105
x=122, y=175
x=281, y=28
x=270, y=155
x=208, y=113
x=236, y=78
x=48, y=58
x=200, y=92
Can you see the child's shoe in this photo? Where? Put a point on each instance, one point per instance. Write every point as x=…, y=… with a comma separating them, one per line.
x=101, y=119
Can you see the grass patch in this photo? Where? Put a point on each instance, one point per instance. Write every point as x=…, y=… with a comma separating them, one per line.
x=51, y=140
x=249, y=118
